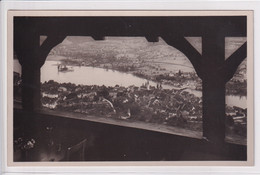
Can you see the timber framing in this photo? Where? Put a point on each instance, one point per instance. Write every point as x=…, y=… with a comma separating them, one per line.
x=210, y=66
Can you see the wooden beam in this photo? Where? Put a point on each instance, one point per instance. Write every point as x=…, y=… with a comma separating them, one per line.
x=229, y=67
x=187, y=49
x=152, y=38
x=136, y=26
x=98, y=38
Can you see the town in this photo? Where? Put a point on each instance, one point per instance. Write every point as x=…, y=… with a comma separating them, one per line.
x=149, y=104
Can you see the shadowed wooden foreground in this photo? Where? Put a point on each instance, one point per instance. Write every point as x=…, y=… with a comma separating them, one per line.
x=113, y=141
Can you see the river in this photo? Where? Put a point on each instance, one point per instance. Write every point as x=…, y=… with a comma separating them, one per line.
x=99, y=76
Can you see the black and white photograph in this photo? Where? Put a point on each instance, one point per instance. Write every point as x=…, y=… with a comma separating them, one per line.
x=131, y=88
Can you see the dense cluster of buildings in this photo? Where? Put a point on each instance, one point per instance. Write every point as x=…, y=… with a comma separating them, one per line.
x=145, y=103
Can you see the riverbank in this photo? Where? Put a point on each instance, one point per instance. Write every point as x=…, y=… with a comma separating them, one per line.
x=177, y=75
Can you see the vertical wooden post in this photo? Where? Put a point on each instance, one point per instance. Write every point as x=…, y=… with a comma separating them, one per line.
x=214, y=111
x=29, y=59
x=213, y=57
x=32, y=56
x=31, y=87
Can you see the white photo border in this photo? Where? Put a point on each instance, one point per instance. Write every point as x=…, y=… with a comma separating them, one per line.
x=127, y=5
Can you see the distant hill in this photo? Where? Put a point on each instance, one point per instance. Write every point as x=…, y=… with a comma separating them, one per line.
x=137, y=47
x=131, y=48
